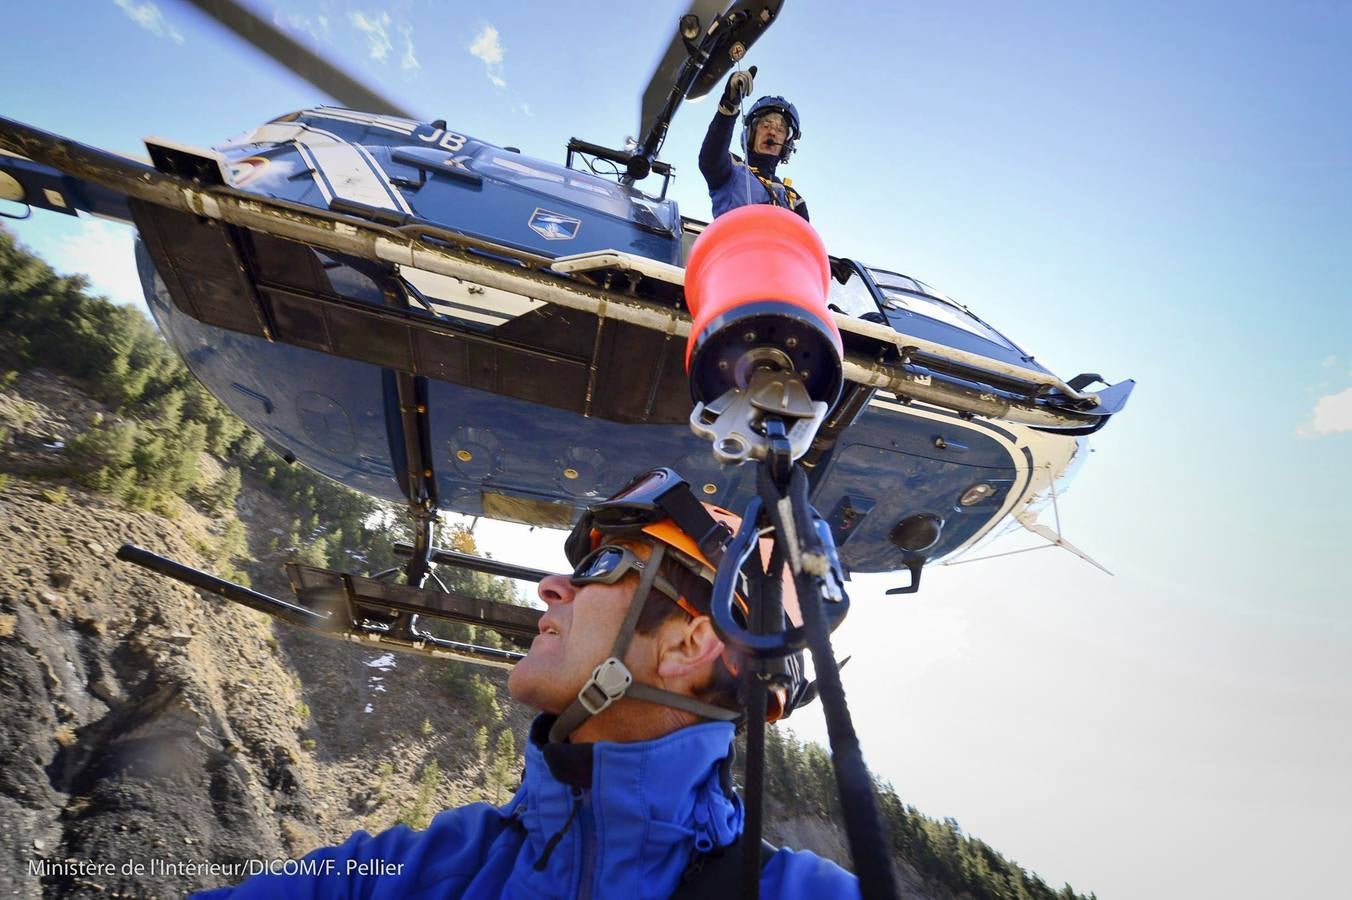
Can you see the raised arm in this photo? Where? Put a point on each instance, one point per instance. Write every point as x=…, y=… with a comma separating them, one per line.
x=715, y=161
x=713, y=154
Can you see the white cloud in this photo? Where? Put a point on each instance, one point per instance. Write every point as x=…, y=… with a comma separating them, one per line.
x=1329, y=361
x=149, y=17
x=317, y=28
x=1332, y=415
x=103, y=251
x=409, y=60
x=377, y=37
x=488, y=48
x=524, y=108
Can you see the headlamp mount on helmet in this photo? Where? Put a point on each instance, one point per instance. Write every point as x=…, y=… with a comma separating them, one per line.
x=648, y=498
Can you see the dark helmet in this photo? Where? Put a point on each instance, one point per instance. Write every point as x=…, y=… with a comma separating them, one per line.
x=764, y=106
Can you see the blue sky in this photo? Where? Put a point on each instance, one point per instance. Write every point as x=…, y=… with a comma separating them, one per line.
x=1143, y=190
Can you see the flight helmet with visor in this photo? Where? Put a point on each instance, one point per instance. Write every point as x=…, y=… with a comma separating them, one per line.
x=772, y=105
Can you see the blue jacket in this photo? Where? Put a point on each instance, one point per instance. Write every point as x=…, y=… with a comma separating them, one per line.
x=732, y=183
x=590, y=820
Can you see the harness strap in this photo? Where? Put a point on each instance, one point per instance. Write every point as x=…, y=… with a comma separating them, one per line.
x=612, y=680
x=791, y=196
x=692, y=518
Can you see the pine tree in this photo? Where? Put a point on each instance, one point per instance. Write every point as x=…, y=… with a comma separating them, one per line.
x=504, y=762
x=481, y=744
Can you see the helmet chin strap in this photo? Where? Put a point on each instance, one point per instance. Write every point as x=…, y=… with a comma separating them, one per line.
x=612, y=679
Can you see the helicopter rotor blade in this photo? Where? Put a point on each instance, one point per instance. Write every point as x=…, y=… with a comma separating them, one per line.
x=668, y=69
x=304, y=62
x=710, y=39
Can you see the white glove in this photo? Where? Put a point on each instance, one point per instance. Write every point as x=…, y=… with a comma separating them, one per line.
x=738, y=88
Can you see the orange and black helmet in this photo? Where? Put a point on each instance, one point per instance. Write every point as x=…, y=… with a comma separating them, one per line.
x=659, y=507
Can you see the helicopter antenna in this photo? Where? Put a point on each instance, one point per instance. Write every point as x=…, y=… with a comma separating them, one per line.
x=286, y=50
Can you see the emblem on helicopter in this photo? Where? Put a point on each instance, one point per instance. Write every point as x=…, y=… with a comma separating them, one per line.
x=554, y=226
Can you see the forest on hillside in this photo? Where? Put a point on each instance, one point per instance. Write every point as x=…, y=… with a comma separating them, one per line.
x=144, y=453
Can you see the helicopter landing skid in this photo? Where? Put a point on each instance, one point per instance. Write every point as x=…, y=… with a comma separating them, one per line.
x=369, y=611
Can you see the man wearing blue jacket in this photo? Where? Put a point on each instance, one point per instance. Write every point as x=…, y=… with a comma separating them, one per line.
x=627, y=785
x=770, y=133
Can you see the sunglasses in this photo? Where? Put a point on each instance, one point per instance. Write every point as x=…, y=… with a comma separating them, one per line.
x=609, y=563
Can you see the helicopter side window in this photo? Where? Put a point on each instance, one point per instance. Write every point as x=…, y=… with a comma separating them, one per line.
x=690, y=230
x=904, y=296
x=348, y=282
x=852, y=296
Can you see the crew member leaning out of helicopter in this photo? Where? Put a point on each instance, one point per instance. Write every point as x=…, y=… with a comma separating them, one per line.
x=769, y=133
x=627, y=790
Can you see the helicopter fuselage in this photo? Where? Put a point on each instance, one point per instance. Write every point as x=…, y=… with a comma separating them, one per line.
x=537, y=409
x=428, y=317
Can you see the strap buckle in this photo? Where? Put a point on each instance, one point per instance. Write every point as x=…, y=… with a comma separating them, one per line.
x=609, y=681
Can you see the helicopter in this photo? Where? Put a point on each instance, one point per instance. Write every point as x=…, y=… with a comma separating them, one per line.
x=436, y=320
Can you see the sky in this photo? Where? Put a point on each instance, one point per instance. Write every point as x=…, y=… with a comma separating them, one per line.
x=1150, y=190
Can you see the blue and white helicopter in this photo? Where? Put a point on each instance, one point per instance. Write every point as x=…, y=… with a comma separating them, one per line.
x=430, y=318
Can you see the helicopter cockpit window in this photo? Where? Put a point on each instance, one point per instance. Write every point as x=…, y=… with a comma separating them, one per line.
x=937, y=294
x=901, y=281
x=905, y=294
x=348, y=282
x=851, y=297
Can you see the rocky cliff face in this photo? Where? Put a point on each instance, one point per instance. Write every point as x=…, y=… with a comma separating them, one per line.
x=138, y=721
x=143, y=722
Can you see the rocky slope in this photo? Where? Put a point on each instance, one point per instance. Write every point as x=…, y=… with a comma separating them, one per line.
x=143, y=721
x=138, y=720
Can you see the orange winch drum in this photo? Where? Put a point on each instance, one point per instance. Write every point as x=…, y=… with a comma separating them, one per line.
x=757, y=278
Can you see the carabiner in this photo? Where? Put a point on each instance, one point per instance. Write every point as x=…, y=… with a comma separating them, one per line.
x=739, y=549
